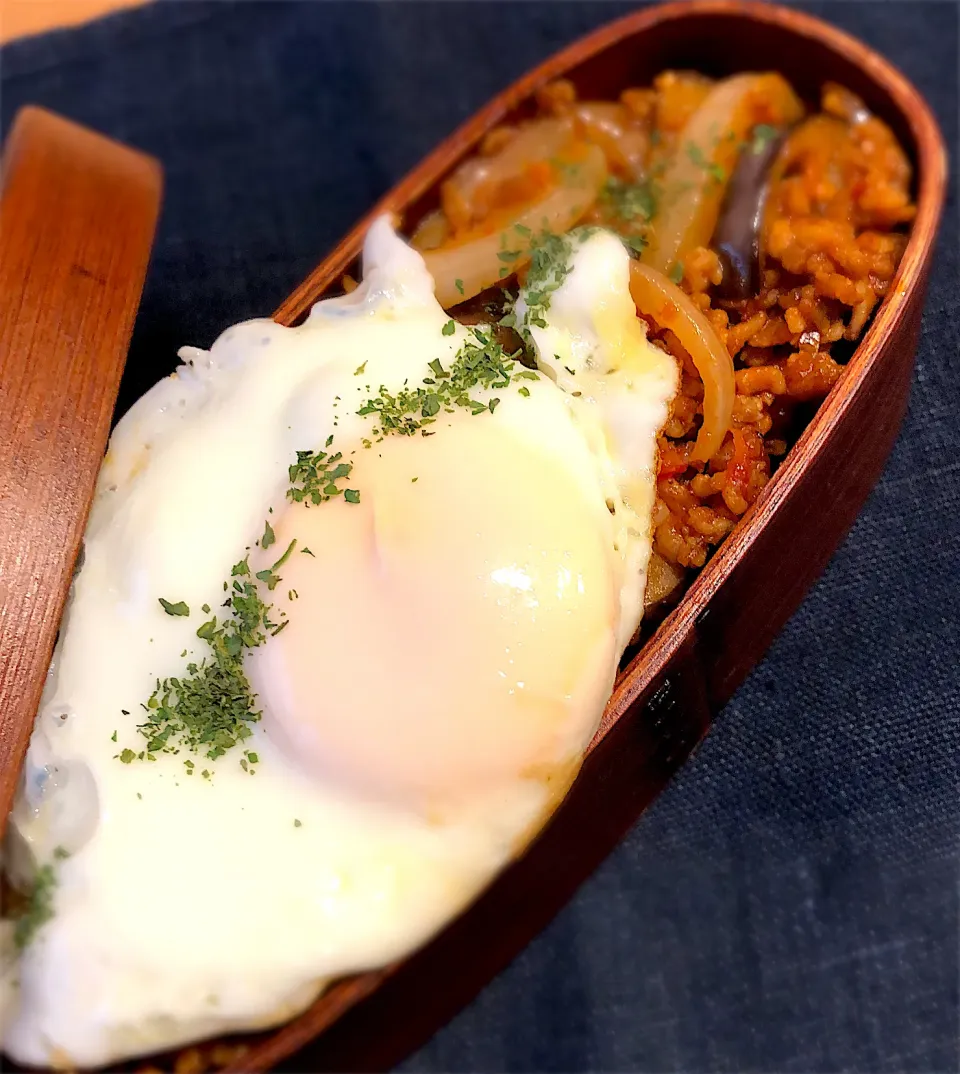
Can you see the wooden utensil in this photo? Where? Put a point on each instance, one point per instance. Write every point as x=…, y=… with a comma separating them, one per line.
x=77, y=217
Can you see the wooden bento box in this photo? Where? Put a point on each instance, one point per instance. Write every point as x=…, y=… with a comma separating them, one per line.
x=667, y=695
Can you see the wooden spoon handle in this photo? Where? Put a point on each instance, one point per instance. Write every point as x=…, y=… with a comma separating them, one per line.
x=77, y=218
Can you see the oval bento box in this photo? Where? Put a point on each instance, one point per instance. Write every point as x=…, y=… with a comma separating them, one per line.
x=666, y=696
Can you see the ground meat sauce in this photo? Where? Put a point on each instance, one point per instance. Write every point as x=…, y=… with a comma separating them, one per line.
x=816, y=223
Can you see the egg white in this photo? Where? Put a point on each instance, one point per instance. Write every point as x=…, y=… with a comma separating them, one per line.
x=189, y=907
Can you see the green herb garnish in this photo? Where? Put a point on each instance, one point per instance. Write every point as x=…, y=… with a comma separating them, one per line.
x=676, y=272
x=696, y=155
x=763, y=134
x=267, y=575
x=314, y=476
x=211, y=708
x=39, y=908
x=449, y=328
x=180, y=608
x=268, y=538
x=631, y=202
x=480, y=363
x=268, y=578
x=286, y=555
x=549, y=267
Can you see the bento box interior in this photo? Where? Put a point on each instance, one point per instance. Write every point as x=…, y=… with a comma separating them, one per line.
x=691, y=43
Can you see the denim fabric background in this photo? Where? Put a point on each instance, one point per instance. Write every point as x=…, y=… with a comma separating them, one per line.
x=790, y=904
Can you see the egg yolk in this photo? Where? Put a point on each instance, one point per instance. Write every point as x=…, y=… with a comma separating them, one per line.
x=454, y=629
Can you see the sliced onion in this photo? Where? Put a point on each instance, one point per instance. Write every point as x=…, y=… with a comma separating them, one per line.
x=656, y=297
x=614, y=128
x=693, y=186
x=462, y=270
x=471, y=192
x=431, y=232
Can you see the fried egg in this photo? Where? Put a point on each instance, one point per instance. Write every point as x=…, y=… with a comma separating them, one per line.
x=438, y=615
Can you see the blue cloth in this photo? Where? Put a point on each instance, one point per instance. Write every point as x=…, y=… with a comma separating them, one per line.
x=790, y=903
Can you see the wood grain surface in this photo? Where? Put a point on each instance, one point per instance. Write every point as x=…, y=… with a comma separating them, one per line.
x=77, y=218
